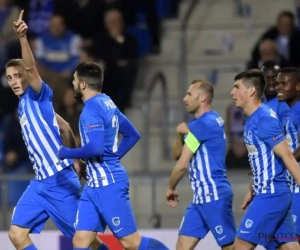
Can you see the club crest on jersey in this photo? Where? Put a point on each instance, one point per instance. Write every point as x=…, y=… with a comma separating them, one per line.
x=248, y=223
x=116, y=221
x=294, y=218
x=97, y=125
x=219, y=229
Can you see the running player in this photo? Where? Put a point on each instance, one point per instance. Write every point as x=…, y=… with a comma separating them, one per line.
x=203, y=151
x=288, y=87
x=105, y=199
x=269, y=156
x=270, y=71
x=56, y=188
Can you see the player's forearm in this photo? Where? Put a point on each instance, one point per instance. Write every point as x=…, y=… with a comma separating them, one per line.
x=68, y=137
x=27, y=55
x=177, y=146
x=176, y=176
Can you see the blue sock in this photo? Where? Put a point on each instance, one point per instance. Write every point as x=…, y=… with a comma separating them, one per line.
x=31, y=247
x=151, y=244
x=82, y=248
x=103, y=247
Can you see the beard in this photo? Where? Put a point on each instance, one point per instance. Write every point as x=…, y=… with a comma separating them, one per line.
x=77, y=94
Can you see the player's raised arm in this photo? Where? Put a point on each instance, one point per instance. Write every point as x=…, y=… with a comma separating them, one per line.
x=177, y=146
x=29, y=63
x=129, y=133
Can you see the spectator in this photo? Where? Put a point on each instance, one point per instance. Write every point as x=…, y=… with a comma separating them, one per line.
x=84, y=17
x=286, y=36
x=8, y=39
x=119, y=52
x=268, y=52
x=58, y=49
x=57, y=55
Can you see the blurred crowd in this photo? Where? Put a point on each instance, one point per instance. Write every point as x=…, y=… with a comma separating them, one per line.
x=63, y=33
x=279, y=44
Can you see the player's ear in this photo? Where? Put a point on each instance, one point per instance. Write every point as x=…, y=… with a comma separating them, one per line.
x=298, y=86
x=83, y=85
x=251, y=91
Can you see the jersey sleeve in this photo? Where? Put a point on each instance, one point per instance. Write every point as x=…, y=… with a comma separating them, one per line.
x=93, y=118
x=199, y=133
x=283, y=113
x=270, y=131
x=46, y=93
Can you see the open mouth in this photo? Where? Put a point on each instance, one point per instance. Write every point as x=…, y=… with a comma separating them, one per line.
x=279, y=94
x=16, y=88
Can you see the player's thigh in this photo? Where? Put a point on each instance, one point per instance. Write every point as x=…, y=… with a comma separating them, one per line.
x=116, y=209
x=88, y=217
x=193, y=224
x=285, y=235
x=263, y=217
x=221, y=222
x=295, y=210
x=29, y=211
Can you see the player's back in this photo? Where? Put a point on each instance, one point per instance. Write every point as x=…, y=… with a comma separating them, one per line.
x=40, y=131
x=280, y=108
x=207, y=167
x=262, y=132
x=105, y=169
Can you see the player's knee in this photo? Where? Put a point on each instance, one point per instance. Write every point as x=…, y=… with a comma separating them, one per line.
x=18, y=235
x=83, y=239
x=131, y=242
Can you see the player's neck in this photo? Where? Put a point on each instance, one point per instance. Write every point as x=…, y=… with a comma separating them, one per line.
x=250, y=109
x=89, y=94
x=293, y=102
x=202, y=110
x=269, y=97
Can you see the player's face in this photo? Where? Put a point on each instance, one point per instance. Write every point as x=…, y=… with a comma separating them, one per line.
x=17, y=80
x=76, y=85
x=271, y=77
x=240, y=94
x=287, y=87
x=192, y=99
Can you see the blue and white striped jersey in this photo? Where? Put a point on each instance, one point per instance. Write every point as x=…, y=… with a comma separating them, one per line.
x=280, y=108
x=292, y=131
x=262, y=132
x=40, y=132
x=207, y=166
x=100, y=113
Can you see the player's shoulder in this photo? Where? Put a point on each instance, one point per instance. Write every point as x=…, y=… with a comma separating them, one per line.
x=283, y=106
x=212, y=118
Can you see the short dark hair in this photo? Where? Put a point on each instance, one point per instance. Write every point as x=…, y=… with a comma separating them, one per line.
x=253, y=77
x=269, y=65
x=14, y=63
x=91, y=73
x=206, y=87
x=286, y=13
x=293, y=71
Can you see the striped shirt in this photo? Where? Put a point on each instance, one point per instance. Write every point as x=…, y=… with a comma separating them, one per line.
x=40, y=132
x=100, y=113
x=262, y=132
x=207, y=166
x=281, y=109
x=292, y=131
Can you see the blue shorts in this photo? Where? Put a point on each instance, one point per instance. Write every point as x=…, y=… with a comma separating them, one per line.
x=268, y=221
x=55, y=197
x=215, y=216
x=106, y=206
x=295, y=210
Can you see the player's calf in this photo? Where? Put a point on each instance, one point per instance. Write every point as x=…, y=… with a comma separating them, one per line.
x=19, y=237
x=289, y=246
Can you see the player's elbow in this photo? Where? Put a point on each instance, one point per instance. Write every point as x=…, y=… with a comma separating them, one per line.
x=137, y=136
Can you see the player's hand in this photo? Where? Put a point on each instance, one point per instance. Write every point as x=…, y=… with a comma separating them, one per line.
x=20, y=26
x=247, y=200
x=172, y=197
x=182, y=128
